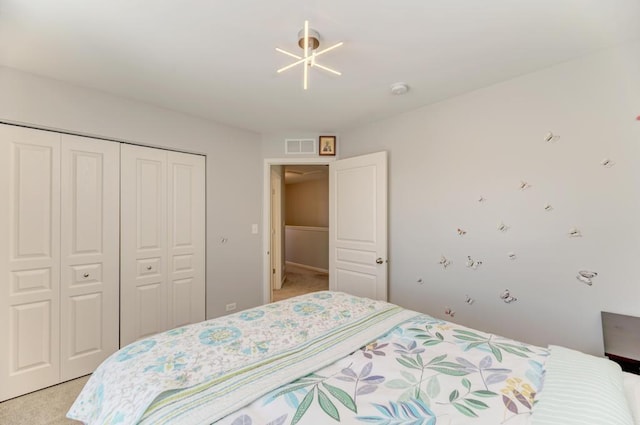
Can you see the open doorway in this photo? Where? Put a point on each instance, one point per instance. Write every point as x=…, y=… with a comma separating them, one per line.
x=304, y=239
x=357, y=224
x=296, y=227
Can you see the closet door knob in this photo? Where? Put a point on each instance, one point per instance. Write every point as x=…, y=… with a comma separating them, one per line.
x=379, y=260
x=86, y=275
x=148, y=267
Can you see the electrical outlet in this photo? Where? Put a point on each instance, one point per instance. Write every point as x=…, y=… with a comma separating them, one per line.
x=231, y=307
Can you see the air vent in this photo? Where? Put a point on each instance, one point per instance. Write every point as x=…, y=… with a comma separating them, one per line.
x=299, y=146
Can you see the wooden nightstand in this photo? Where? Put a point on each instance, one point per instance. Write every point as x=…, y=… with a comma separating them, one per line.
x=622, y=340
x=627, y=365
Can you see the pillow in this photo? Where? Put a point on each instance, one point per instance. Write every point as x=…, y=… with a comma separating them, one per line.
x=580, y=389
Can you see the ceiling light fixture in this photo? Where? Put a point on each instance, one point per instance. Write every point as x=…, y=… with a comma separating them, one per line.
x=309, y=41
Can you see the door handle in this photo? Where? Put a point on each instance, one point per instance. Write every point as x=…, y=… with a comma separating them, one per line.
x=379, y=260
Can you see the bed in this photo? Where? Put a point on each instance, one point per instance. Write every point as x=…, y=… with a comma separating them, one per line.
x=329, y=357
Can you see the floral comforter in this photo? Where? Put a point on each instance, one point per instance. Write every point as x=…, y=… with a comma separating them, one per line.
x=322, y=358
x=425, y=371
x=199, y=373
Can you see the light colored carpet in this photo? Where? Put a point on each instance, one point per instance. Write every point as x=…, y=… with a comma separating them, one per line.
x=301, y=281
x=44, y=407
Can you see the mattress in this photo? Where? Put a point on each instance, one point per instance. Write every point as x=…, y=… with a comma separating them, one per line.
x=632, y=392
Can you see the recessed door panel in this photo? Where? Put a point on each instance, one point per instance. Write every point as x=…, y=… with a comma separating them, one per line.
x=356, y=256
x=151, y=309
x=150, y=203
x=149, y=267
x=182, y=204
x=86, y=274
x=85, y=317
x=31, y=339
x=357, y=283
x=182, y=299
x=29, y=281
x=87, y=191
x=356, y=187
x=32, y=201
x=183, y=263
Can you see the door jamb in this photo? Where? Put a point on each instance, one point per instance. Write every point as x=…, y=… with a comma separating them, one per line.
x=276, y=223
x=266, y=216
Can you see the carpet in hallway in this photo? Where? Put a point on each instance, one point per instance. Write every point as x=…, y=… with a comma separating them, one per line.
x=301, y=281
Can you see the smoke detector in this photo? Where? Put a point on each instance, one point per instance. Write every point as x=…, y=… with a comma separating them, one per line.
x=398, y=89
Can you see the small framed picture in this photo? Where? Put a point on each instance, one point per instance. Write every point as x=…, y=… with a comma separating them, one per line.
x=327, y=145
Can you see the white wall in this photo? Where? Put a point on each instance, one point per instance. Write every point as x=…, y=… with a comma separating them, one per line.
x=307, y=203
x=308, y=246
x=445, y=156
x=307, y=218
x=234, y=167
x=442, y=159
x=273, y=143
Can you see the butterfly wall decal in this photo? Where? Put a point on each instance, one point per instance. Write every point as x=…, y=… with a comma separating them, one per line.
x=507, y=297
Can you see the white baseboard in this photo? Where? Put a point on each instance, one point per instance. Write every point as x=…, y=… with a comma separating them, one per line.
x=304, y=266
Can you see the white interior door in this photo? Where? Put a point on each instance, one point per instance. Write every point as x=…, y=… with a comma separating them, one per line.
x=276, y=227
x=186, y=218
x=90, y=250
x=29, y=260
x=358, y=226
x=143, y=251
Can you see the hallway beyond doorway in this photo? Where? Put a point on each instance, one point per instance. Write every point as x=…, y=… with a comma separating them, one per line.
x=301, y=281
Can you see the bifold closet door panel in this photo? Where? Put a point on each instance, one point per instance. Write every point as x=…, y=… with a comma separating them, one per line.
x=90, y=253
x=143, y=249
x=186, y=219
x=29, y=260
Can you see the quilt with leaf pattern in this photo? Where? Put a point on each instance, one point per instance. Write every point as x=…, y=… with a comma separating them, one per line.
x=423, y=372
x=322, y=358
x=199, y=373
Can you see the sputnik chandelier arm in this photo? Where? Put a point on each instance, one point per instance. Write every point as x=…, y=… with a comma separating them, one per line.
x=301, y=60
x=287, y=53
x=309, y=44
x=333, y=71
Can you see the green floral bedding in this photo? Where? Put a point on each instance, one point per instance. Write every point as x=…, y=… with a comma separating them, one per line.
x=425, y=371
x=199, y=373
x=322, y=358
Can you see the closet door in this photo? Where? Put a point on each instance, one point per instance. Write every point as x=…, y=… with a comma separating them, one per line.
x=186, y=218
x=143, y=251
x=29, y=260
x=90, y=253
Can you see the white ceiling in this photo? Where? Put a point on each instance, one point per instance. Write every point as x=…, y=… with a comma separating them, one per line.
x=216, y=59
x=303, y=173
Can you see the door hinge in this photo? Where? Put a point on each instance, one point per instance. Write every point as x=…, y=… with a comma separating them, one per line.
x=274, y=271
